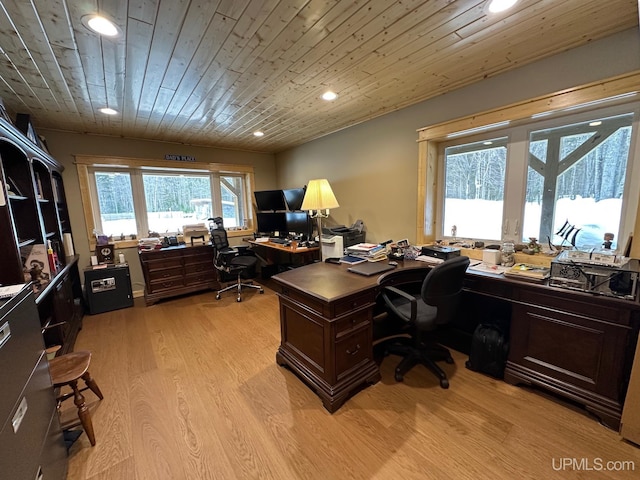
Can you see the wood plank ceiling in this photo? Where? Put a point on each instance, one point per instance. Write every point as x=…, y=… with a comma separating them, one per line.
x=211, y=72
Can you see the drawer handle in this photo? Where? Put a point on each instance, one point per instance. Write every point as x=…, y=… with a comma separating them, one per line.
x=354, y=351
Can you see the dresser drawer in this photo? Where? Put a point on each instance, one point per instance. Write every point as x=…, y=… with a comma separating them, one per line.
x=352, y=351
x=204, y=258
x=200, y=278
x=165, y=274
x=163, y=264
x=21, y=346
x=204, y=266
x=158, y=285
x=156, y=255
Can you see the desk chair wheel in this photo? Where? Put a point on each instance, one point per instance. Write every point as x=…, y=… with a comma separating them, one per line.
x=399, y=377
x=444, y=383
x=261, y=291
x=239, y=299
x=218, y=296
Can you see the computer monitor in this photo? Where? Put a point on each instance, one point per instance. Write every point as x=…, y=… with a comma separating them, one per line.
x=270, y=222
x=294, y=197
x=298, y=222
x=270, y=200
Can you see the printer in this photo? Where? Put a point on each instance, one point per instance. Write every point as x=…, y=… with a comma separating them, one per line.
x=443, y=253
x=350, y=235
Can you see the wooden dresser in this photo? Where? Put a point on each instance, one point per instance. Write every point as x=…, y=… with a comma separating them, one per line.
x=173, y=271
x=31, y=440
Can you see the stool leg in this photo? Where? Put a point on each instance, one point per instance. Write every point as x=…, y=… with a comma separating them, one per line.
x=83, y=412
x=91, y=383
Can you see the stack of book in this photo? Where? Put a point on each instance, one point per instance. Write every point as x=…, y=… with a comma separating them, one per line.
x=368, y=251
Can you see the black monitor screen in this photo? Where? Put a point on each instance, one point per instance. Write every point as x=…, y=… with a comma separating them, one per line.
x=270, y=200
x=298, y=222
x=269, y=222
x=294, y=197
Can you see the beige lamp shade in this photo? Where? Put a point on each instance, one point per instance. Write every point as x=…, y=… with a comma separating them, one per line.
x=319, y=196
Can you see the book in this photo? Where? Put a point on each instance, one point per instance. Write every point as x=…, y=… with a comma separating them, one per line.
x=529, y=272
x=352, y=260
x=9, y=291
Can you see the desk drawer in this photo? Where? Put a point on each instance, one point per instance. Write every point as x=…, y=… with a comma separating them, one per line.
x=357, y=320
x=306, y=301
x=353, y=303
x=352, y=351
x=160, y=255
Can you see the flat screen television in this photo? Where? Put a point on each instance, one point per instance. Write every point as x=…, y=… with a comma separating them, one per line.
x=298, y=222
x=270, y=200
x=294, y=197
x=270, y=222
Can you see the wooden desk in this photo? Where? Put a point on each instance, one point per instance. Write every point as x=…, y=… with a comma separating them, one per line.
x=271, y=253
x=326, y=321
x=575, y=344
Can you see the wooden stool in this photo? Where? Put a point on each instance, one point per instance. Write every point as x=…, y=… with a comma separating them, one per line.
x=67, y=370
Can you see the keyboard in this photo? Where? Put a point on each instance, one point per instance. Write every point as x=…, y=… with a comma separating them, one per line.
x=428, y=259
x=280, y=241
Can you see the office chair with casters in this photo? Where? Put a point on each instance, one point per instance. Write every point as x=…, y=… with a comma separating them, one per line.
x=421, y=314
x=233, y=264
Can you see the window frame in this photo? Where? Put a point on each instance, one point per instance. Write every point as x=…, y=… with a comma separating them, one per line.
x=86, y=165
x=623, y=89
x=518, y=141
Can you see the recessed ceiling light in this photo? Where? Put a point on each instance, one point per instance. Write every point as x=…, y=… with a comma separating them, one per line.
x=258, y=133
x=487, y=143
x=496, y=6
x=108, y=111
x=596, y=123
x=101, y=25
x=329, y=96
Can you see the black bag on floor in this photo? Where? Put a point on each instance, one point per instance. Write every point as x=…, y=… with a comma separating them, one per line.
x=489, y=349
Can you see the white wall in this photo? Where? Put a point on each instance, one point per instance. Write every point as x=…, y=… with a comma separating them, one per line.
x=372, y=167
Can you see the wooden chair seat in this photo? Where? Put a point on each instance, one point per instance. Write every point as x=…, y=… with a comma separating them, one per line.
x=67, y=369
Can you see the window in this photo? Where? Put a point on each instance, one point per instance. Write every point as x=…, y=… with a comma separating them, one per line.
x=474, y=188
x=130, y=199
x=542, y=180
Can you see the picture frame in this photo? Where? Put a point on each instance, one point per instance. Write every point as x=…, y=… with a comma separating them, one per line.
x=23, y=123
x=105, y=253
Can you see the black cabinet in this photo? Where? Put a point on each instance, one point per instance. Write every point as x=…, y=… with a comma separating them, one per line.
x=31, y=440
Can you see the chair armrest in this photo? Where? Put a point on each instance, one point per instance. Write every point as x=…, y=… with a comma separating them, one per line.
x=388, y=292
x=244, y=250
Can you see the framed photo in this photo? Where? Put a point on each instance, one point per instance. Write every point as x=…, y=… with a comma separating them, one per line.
x=105, y=253
x=23, y=122
x=404, y=243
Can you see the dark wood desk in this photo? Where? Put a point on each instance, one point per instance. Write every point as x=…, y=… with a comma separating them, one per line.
x=326, y=321
x=272, y=253
x=575, y=344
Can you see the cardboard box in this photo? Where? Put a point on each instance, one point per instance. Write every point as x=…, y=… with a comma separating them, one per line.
x=630, y=423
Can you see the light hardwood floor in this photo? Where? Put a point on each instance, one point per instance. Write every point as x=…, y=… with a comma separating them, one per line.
x=192, y=391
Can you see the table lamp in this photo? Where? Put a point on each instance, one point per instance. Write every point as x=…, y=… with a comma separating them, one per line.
x=318, y=199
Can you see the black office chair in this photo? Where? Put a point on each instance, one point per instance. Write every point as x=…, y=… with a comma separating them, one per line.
x=420, y=314
x=233, y=264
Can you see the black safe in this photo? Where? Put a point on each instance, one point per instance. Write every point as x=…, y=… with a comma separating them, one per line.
x=108, y=288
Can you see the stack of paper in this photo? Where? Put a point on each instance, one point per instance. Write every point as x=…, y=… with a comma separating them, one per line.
x=369, y=251
x=528, y=272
